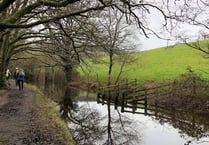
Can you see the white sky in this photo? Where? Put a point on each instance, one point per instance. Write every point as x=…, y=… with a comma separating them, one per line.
x=153, y=42
x=155, y=21
x=187, y=31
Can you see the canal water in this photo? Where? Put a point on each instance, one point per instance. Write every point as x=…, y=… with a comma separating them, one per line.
x=151, y=130
x=96, y=124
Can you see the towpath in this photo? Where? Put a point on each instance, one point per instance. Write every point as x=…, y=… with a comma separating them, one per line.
x=18, y=124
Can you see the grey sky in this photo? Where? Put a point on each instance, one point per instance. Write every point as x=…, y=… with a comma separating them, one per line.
x=153, y=42
x=182, y=31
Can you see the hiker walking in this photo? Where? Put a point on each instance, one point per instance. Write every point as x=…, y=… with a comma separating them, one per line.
x=7, y=75
x=15, y=75
x=20, y=78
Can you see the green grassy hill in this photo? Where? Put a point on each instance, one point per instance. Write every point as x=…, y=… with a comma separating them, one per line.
x=160, y=64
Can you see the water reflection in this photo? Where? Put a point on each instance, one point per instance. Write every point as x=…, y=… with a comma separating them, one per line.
x=92, y=124
x=85, y=126
x=194, y=126
x=89, y=127
x=67, y=104
x=191, y=124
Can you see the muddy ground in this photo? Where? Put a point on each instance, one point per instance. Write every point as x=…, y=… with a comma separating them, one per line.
x=18, y=124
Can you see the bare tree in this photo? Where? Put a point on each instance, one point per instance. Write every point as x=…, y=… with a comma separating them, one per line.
x=188, y=22
x=70, y=42
x=115, y=41
x=17, y=15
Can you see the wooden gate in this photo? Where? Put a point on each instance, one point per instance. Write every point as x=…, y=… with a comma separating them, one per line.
x=131, y=95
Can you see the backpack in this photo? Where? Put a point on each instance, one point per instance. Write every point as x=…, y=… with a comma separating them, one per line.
x=21, y=73
x=7, y=74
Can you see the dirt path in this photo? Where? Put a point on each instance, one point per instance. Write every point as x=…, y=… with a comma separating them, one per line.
x=17, y=120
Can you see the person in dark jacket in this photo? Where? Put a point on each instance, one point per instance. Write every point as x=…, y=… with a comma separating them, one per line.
x=20, y=79
x=15, y=75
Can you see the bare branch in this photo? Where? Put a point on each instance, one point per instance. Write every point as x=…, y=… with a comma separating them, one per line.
x=5, y=4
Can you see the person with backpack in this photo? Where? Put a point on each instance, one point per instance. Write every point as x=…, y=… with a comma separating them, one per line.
x=20, y=78
x=7, y=75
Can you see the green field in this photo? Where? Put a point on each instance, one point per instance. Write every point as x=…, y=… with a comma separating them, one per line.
x=159, y=65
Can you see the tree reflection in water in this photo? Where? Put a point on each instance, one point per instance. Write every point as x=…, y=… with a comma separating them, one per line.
x=122, y=129
x=193, y=127
x=89, y=127
x=82, y=122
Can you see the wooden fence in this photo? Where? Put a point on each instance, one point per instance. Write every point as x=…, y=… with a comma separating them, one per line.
x=131, y=98
x=131, y=95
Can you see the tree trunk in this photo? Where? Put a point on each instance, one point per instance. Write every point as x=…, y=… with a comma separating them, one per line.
x=4, y=59
x=3, y=66
x=68, y=72
x=110, y=67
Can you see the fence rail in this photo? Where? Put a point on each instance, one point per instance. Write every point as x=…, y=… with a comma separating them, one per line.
x=131, y=95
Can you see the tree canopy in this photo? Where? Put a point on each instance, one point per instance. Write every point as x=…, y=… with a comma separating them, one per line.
x=27, y=25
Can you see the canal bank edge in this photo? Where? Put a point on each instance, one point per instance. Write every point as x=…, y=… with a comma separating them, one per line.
x=49, y=118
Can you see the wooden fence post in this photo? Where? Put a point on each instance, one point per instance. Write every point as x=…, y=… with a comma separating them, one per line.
x=145, y=102
x=98, y=97
x=123, y=102
x=103, y=98
x=116, y=97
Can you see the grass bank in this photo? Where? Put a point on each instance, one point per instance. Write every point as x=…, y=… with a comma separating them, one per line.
x=159, y=65
x=49, y=117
